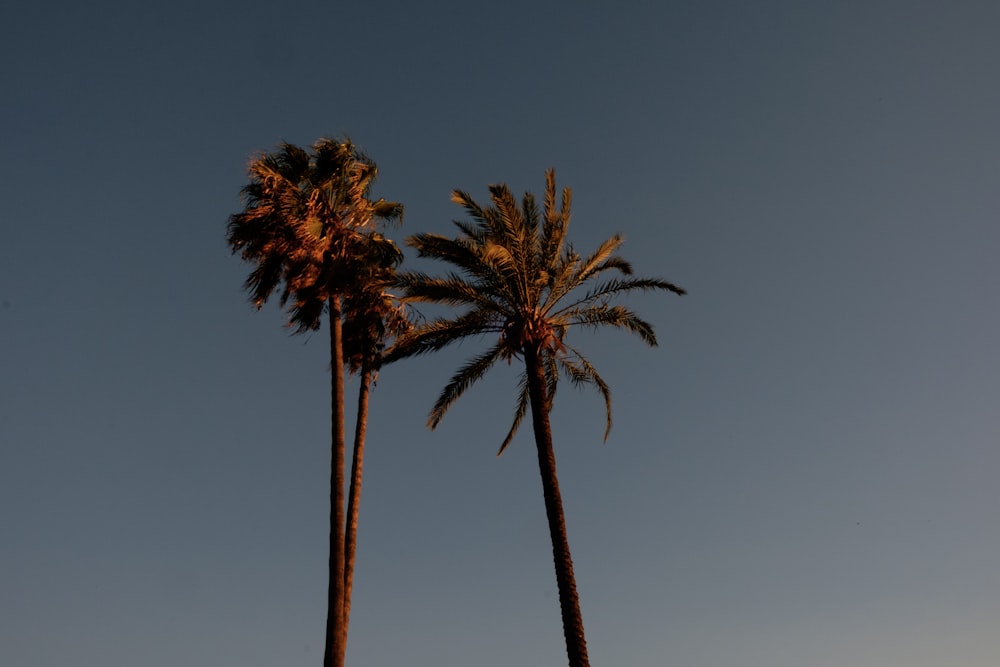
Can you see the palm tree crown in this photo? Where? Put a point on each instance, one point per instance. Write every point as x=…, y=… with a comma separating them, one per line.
x=304, y=218
x=518, y=277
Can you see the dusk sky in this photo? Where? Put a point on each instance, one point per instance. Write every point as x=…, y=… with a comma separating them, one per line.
x=803, y=473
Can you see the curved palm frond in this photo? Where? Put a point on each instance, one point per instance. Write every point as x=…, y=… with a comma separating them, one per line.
x=450, y=290
x=603, y=258
x=611, y=288
x=474, y=210
x=523, y=399
x=505, y=266
x=519, y=413
x=466, y=376
x=439, y=333
x=581, y=372
x=616, y=316
x=463, y=253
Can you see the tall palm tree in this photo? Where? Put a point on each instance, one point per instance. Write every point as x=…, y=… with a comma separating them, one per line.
x=373, y=316
x=303, y=225
x=521, y=282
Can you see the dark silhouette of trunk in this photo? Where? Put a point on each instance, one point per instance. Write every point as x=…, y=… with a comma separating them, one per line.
x=333, y=655
x=569, y=601
x=354, y=496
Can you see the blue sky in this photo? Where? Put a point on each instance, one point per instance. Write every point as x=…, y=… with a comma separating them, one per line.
x=803, y=473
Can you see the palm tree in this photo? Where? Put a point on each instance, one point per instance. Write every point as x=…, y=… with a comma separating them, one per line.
x=303, y=226
x=372, y=317
x=520, y=281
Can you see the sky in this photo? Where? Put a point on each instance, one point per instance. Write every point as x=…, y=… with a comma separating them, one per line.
x=802, y=473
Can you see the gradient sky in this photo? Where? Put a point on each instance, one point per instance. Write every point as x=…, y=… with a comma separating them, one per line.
x=803, y=473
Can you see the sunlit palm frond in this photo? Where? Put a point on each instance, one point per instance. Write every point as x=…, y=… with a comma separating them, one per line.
x=614, y=263
x=531, y=216
x=536, y=271
x=461, y=252
x=617, y=316
x=506, y=243
x=556, y=224
x=450, y=290
x=504, y=267
x=610, y=288
x=562, y=279
x=601, y=256
x=505, y=216
x=387, y=211
x=515, y=225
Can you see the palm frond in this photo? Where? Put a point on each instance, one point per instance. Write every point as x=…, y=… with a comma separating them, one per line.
x=602, y=255
x=617, y=316
x=439, y=333
x=581, y=372
x=557, y=219
x=263, y=280
x=530, y=215
x=614, y=287
x=451, y=290
x=474, y=210
x=474, y=233
x=462, y=253
x=511, y=230
x=561, y=280
x=388, y=211
x=505, y=266
x=504, y=218
x=553, y=235
x=519, y=412
x=523, y=401
x=466, y=376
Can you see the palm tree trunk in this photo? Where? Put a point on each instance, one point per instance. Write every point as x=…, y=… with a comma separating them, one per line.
x=569, y=601
x=333, y=655
x=354, y=496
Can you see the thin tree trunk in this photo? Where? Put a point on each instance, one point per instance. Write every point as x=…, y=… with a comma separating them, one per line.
x=354, y=496
x=333, y=655
x=569, y=601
